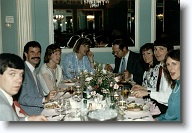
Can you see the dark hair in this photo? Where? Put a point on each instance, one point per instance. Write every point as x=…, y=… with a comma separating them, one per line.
x=146, y=47
x=175, y=55
x=123, y=43
x=79, y=42
x=11, y=61
x=165, y=42
x=28, y=45
x=50, y=50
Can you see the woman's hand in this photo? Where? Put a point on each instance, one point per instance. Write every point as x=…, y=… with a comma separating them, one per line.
x=90, y=55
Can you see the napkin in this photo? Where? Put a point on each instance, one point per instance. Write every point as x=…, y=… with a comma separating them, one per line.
x=154, y=110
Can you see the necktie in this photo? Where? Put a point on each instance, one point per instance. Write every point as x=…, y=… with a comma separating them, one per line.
x=159, y=78
x=123, y=65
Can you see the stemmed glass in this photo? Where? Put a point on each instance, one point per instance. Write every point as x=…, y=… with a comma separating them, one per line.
x=61, y=104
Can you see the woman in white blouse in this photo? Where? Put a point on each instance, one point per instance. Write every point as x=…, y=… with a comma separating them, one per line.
x=50, y=73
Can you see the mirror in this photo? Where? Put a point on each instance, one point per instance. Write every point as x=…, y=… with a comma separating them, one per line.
x=101, y=23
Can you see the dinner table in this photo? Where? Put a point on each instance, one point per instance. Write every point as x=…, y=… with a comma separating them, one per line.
x=83, y=109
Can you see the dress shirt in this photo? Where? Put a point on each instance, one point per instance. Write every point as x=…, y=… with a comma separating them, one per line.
x=72, y=63
x=125, y=63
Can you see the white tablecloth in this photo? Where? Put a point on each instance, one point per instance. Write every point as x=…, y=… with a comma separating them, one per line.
x=72, y=114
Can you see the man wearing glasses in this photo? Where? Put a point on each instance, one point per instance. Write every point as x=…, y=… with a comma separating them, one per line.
x=126, y=61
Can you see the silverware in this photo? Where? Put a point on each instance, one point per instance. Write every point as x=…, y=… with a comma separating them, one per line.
x=140, y=118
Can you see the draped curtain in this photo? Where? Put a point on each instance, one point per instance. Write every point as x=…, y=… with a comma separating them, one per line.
x=51, y=27
x=24, y=22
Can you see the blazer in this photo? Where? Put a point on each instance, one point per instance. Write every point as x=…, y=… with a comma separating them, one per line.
x=134, y=66
x=29, y=97
x=7, y=113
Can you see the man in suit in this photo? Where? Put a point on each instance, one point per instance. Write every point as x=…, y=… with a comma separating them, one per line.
x=126, y=61
x=31, y=96
x=11, y=77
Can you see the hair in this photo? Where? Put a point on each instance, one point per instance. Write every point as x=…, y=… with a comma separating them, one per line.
x=175, y=55
x=81, y=41
x=123, y=43
x=165, y=42
x=50, y=50
x=11, y=61
x=28, y=45
x=145, y=47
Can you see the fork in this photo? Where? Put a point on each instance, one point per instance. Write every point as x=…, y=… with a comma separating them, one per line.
x=140, y=118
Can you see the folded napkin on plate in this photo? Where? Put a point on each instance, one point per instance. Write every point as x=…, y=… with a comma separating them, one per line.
x=154, y=110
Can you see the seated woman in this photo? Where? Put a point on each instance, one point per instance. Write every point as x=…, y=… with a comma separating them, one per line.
x=50, y=73
x=172, y=74
x=81, y=59
x=149, y=62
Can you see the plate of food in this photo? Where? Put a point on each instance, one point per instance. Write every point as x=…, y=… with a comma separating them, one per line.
x=51, y=105
x=134, y=107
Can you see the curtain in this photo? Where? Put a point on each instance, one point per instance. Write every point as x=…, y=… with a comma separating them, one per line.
x=24, y=24
x=51, y=27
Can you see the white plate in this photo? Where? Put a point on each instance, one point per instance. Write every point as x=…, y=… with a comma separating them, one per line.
x=69, y=84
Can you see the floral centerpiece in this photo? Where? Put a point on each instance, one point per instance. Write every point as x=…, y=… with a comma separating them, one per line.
x=100, y=82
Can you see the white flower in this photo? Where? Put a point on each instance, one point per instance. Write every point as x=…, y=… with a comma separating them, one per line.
x=116, y=86
x=117, y=79
x=104, y=71
x=90, y=88
x=88, y=79
x=93, y=93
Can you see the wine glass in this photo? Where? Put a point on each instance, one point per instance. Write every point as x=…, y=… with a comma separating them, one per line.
x=61, y=104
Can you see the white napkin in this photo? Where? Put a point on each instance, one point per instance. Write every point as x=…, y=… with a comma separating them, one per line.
x=153, y=108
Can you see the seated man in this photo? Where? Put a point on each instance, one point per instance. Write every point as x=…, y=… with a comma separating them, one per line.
x=11, y=77
x=126, y=61
x=31, y=97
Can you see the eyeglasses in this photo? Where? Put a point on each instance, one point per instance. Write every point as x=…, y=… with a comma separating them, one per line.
x=116, y=52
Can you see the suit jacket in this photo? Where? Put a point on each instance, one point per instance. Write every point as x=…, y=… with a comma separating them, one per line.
x=7, y=113
x=30, y=98
x=134, y=66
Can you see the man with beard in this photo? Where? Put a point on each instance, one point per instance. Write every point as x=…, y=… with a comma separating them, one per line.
x=31, y=97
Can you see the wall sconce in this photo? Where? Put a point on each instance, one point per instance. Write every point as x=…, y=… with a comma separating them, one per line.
x=9, y=20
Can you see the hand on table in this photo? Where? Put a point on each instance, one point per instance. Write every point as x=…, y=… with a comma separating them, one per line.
x=108, y=67
x=37, y=118
x=140, y=93
x=50, y=96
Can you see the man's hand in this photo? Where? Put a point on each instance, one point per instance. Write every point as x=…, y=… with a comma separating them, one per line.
x=108, y=67
x=37, y=118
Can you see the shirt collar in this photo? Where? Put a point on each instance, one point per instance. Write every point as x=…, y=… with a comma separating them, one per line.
x=30, y=66
x=127, y=56
x=9, y=98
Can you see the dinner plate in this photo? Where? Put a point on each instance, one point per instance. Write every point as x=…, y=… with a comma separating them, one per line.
x=51, y=105
x=69, y=83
